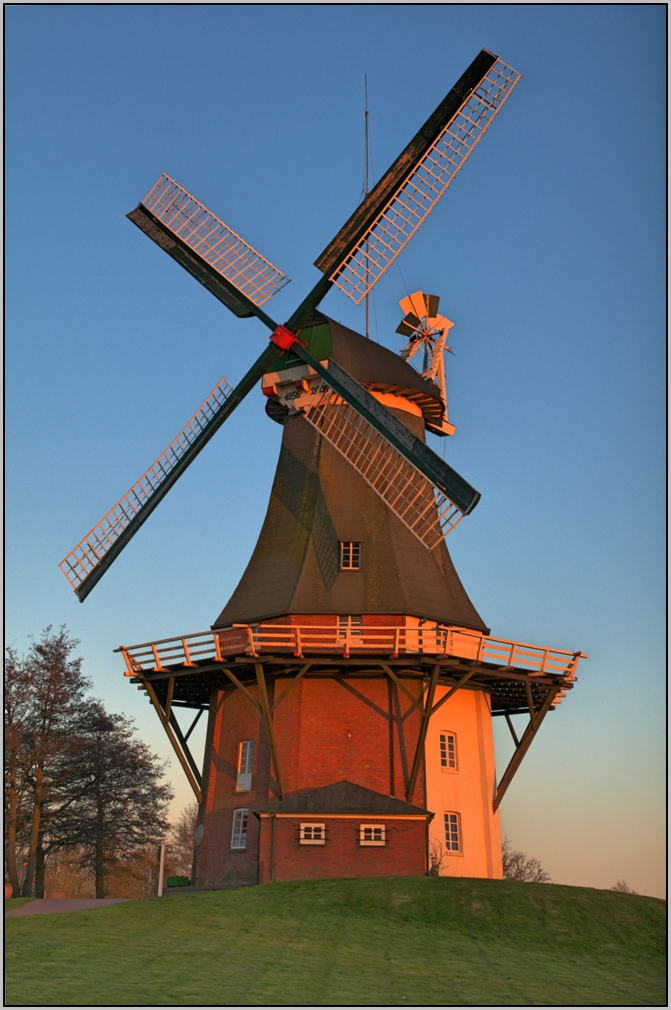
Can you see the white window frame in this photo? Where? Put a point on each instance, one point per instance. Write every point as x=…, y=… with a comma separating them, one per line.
x=372, y=828
x=350, y=625
x=446, y=768
x=350, y=546
x=246, y=750
x=460, y=838
x=310, y=827
x=239, y=829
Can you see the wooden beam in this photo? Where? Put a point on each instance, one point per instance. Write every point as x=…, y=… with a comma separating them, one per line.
x=422, y=733
x=523, y=747
x=399, y=683
x=177, y=729
x=460, y=683
x=194, y=723
x=267, y=718
x=512, y=729
x=530, y=703
x=290, y=687
x=244, y=690
x=168, y=703
x=173, y=740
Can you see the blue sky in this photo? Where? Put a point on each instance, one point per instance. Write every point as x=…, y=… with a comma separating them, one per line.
x=548, y=252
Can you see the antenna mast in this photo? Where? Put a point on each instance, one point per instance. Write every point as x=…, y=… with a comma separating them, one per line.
x=365, y=187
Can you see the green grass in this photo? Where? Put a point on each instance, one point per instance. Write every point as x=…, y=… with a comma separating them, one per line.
x=411, y=941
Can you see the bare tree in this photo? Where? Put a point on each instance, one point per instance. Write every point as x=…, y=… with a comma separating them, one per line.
x=180, y=841
x=623, y=886
x=437, y=858
x=44, y=692
x=19, y=761
x=121, y=801
x=518, y=866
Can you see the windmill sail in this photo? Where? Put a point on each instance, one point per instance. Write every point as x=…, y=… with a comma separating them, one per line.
x=426, y=494
x=231, y=269
x=94, y=554
x=387, y=219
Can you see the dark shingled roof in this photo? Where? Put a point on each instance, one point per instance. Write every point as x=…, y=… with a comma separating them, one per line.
x=368, y=362
x=317, y=500
x=341, y=798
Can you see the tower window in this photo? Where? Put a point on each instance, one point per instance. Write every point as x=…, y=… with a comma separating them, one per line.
x=349, y=623
x=239, y=832
x=245, y=761
x=453, y=832
x=371, y=834
x=448, y=752
x=350, y=555
x=313, y=834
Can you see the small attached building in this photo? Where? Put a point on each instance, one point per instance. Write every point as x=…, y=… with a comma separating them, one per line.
x=341, y=830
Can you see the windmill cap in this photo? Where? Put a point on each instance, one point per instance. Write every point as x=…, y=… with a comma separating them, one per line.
x=374, y=366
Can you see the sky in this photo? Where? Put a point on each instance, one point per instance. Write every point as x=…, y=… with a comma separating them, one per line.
x=548, y=253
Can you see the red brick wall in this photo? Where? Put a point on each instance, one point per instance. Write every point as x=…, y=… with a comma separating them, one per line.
x=325, y=731
x=403, y=855
x=234, y=719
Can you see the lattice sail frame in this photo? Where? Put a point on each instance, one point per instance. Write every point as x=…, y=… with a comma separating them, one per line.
x=214, y=241
x=81, y=561
x=422, y=508
x=417, y=196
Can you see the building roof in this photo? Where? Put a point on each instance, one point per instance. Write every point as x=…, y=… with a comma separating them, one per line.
x=318, y=500
x=371, y=364
x=341, y=798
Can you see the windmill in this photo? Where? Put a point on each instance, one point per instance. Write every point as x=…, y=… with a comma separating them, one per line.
x=350, y=630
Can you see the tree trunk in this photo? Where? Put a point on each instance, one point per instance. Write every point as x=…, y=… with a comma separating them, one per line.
x=10, y=833
x=27, y=888
x=39, y=870
x=100, y=850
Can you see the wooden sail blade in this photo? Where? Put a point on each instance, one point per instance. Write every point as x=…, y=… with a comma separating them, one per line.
x=93, y=555
x=423, y=491
x=388, y=218
x=231, y=269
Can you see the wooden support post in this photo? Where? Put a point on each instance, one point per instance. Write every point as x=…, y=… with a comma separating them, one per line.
x=512, y=729
x=231, y=676
x=530, y=703
x=185, y=747
x=422, y=733
x=523, y=746
x=173, y=740
x=168, y=703
x=194, y=724
x=460, y=683
x=290, y=687
x=399, y=683
x=268, y=719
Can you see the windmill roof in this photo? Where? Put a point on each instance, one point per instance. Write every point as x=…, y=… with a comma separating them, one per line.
x=318, y=500
x=371, y=363
x=341, y=798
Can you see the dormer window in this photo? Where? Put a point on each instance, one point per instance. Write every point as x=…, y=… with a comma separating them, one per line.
x=350, y=555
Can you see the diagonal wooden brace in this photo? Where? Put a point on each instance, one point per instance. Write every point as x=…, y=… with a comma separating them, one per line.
x=524, y=744
x=173, y=740
x=399, y=683
x=460, y=683
x=419, y=752
x=268, y=720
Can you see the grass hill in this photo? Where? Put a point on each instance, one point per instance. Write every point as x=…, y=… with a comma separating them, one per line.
x=404, y=942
